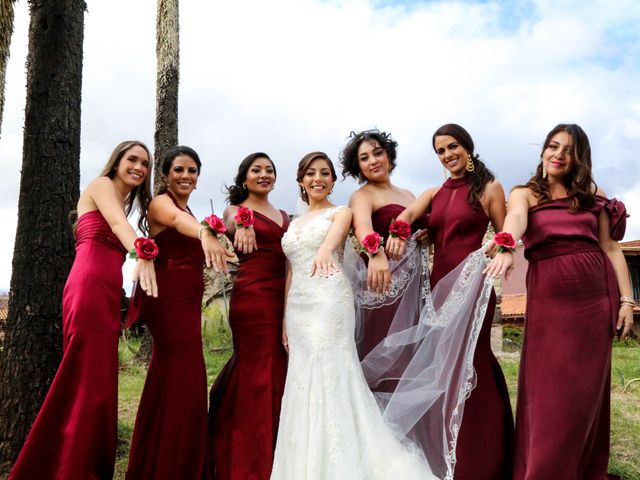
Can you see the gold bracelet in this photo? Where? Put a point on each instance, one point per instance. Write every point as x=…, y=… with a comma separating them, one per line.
x=627, y=298
x=200, y=230
x=629, y=304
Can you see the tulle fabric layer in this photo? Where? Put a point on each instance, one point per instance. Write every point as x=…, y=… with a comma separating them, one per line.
x=426, y=359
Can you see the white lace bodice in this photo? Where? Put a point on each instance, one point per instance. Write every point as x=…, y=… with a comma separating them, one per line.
x=305, y=236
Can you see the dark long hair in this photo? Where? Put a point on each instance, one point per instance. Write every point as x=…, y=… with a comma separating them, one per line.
x=579, y=182
x=349, y=155
x=238, y=193
x=140, y=195
x=170, y=156
x=303, y=166
x=481, y=175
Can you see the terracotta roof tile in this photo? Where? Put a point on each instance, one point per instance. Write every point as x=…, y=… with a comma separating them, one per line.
x=630, y=244
x=513, y=305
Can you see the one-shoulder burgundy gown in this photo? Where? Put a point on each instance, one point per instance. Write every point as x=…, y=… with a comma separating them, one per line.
x=377, y=321
x=562, y=414
x=485, y=442
x=246, y=397
x=74, y=436
x=170, y=439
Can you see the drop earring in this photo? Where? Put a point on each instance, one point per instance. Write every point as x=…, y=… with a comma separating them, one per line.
x=544, y=171
x=470, y=167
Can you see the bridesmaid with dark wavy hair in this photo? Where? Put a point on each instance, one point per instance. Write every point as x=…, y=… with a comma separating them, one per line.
x=75, y=433
x=459, y=213
x=245, y=399
x=370, y=157
x=578, y=296
x=170, y=436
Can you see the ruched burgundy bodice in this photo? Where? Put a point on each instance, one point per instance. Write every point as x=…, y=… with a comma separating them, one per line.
x=75, y=433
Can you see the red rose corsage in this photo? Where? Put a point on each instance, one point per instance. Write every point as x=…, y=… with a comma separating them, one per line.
x=214, y=224
x=400, y=229
x=505, y=242
x=244, y=217
x=144, y=249
x=371, y=244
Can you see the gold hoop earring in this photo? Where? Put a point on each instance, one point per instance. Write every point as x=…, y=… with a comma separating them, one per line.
x=244, y=186
x=470, y=167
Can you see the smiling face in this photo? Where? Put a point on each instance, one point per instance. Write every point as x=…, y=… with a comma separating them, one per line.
x=133, y=167
x=261, y=176
x=557, y=157
x=451, y=154
x=373, y=161
x=183, y=176
x=318, y=180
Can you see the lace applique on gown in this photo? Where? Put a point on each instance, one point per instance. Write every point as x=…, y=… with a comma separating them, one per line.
x=330, y=425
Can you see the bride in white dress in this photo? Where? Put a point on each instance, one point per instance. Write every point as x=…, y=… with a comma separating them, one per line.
x=331, y=427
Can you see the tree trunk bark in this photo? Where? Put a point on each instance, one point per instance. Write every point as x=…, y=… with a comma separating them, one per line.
x=49, y=190
x=6, y=30
x=167, y=83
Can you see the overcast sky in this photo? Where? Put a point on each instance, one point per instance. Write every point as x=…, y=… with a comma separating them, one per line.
x=292, y=76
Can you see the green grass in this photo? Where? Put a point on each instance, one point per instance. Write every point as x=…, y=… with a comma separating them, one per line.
x=625, y=395
x=625, y=406
x=130, y=384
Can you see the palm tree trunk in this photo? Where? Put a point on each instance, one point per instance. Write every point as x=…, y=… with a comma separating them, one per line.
x=49, y=190
x=167, y=82
x=6, y=30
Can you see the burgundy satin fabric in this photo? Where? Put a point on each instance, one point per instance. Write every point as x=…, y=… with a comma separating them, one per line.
x=485, y=442
x=74, y=436
x=562, y=415
x=246, y=397
x=170, y=438
x=378, y=320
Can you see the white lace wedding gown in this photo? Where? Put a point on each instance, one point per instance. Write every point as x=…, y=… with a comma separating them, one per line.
x=331, y=427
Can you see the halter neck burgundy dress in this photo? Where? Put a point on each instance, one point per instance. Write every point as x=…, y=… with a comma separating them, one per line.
x=562, y=414
x=484, y=447
x=170, y=437
x=74, y=436
x=245, y=399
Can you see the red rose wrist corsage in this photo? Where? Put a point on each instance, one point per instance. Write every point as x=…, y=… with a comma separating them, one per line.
x=244, y=217
x=400, y=229
x=214, y=224
x=144, y=249
x=371, y=244
x=505, y=242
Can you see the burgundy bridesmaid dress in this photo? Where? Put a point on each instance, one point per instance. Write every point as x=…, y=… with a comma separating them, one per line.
x=246, y=397
x=377, y=321
x=485, y=442
x=170, y=438
x=75, y=434
x=562, y=414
